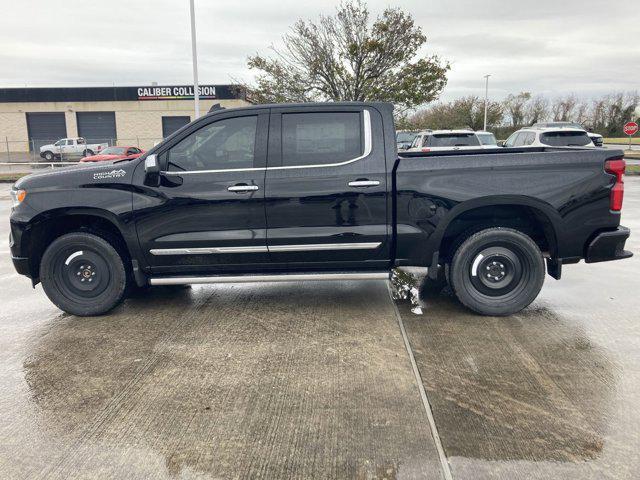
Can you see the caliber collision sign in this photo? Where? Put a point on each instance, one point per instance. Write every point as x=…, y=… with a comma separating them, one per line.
x=175, y=93
x=630, y=128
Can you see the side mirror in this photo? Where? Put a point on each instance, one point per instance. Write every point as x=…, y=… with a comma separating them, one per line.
x=501, y=143
x=151, y=164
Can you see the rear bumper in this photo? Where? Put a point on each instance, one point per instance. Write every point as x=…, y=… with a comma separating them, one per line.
x=608, y=246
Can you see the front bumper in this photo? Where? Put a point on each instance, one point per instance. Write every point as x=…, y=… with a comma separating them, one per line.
x=608, y=246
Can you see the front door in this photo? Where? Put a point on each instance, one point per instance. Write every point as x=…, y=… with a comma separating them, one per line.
x=208, y=214
x=326, y=189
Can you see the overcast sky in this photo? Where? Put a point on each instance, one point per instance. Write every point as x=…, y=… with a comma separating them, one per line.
x=586, y=47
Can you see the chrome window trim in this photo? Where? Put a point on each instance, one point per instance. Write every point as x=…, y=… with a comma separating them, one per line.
x=311, y=247
x=368, y=147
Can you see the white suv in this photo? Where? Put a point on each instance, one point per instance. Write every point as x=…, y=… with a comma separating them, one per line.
x=438, y=140
x=549, y=137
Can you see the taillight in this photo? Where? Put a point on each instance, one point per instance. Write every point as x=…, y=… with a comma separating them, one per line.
x=616, y=167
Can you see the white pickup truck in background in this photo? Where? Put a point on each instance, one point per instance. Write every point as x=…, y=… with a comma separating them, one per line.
x=70, y=147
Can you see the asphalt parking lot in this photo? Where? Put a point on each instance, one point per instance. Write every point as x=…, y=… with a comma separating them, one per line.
x=315, y=381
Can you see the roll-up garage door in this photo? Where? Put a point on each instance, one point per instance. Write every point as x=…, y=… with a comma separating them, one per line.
x=97, y=127
x=171, y=124
x=44, y=128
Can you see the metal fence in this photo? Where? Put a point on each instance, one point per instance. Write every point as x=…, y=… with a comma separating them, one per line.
x=20, y=151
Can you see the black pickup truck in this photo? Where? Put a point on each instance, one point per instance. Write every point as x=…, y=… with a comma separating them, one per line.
x=310, y=192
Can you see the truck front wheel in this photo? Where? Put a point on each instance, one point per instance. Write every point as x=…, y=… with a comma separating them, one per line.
x=87, y=153
x=48, y=156
x=83, y=274
x=497, y=271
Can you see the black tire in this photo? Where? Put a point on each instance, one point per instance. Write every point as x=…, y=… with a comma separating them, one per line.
x=83, y=274
x=497, y=271
x=87, y=153
x=48, y=156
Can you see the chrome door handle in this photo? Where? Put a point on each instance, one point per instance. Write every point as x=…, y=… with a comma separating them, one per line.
x=364, y=183
x=243, y=188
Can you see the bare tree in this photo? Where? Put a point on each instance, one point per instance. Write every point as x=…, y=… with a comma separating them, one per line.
x=563, y=108
x=516, y=107
x=466, y=112
x=347, y=57
x=537, y=110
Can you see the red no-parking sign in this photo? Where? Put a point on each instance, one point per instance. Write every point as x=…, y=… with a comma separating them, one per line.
x=630, y=128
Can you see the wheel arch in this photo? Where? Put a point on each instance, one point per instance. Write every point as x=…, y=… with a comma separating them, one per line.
x=500, y=210
x=51, y=224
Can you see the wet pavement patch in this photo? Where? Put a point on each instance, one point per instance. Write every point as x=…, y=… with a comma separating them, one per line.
x=226, y=382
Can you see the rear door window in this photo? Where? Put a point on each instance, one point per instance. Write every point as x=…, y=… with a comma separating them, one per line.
x=321, y=138
x=565, y=139
x=453, y=140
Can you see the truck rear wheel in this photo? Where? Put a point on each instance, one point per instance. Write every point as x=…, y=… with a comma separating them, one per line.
x=83, y=274
x=497, y=271
x=87, y=153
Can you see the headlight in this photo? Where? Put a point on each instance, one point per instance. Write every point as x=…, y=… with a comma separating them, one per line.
x=17, y=196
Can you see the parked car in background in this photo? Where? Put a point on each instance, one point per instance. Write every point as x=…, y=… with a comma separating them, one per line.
x=596, y=138
x=404, y=139
x=438, y=140
x=70, y=147
x=114, y=153
x=487, y=139
x=549, y=137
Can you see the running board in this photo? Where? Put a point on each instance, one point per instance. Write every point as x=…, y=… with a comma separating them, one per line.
x=282, y=277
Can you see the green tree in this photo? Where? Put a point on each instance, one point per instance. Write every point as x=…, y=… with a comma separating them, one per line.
x=345, y=57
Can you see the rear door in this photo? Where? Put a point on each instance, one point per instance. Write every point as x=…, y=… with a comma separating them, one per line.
x=326, y=190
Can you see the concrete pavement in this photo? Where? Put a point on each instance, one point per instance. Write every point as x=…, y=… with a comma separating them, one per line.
x=314, y=381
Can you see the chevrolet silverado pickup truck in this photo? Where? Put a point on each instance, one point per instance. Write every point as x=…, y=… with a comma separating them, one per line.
x=314, y=192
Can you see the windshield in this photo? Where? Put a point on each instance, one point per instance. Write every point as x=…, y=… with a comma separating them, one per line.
x=565, y=139
x=405, y=137
x=453, y=140
x=114, y=151
x=487, y=138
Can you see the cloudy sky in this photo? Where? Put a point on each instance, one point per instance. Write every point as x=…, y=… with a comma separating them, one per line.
x=554, y=47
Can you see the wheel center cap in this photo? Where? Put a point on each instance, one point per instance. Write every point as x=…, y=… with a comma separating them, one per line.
x=86, y=273
x=496, y=271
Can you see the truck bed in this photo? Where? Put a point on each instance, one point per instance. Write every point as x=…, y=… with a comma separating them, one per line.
x=564, y=185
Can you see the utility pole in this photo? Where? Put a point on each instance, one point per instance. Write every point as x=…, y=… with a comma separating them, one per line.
x=486, y=100
x=194, y=53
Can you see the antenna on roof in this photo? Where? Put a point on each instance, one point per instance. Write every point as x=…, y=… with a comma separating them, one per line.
x=215, y=107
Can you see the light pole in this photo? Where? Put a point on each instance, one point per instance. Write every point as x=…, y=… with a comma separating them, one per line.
x=194, y=53
x=486, y=100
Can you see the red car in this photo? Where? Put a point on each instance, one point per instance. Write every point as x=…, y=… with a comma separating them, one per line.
x=114, y=153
